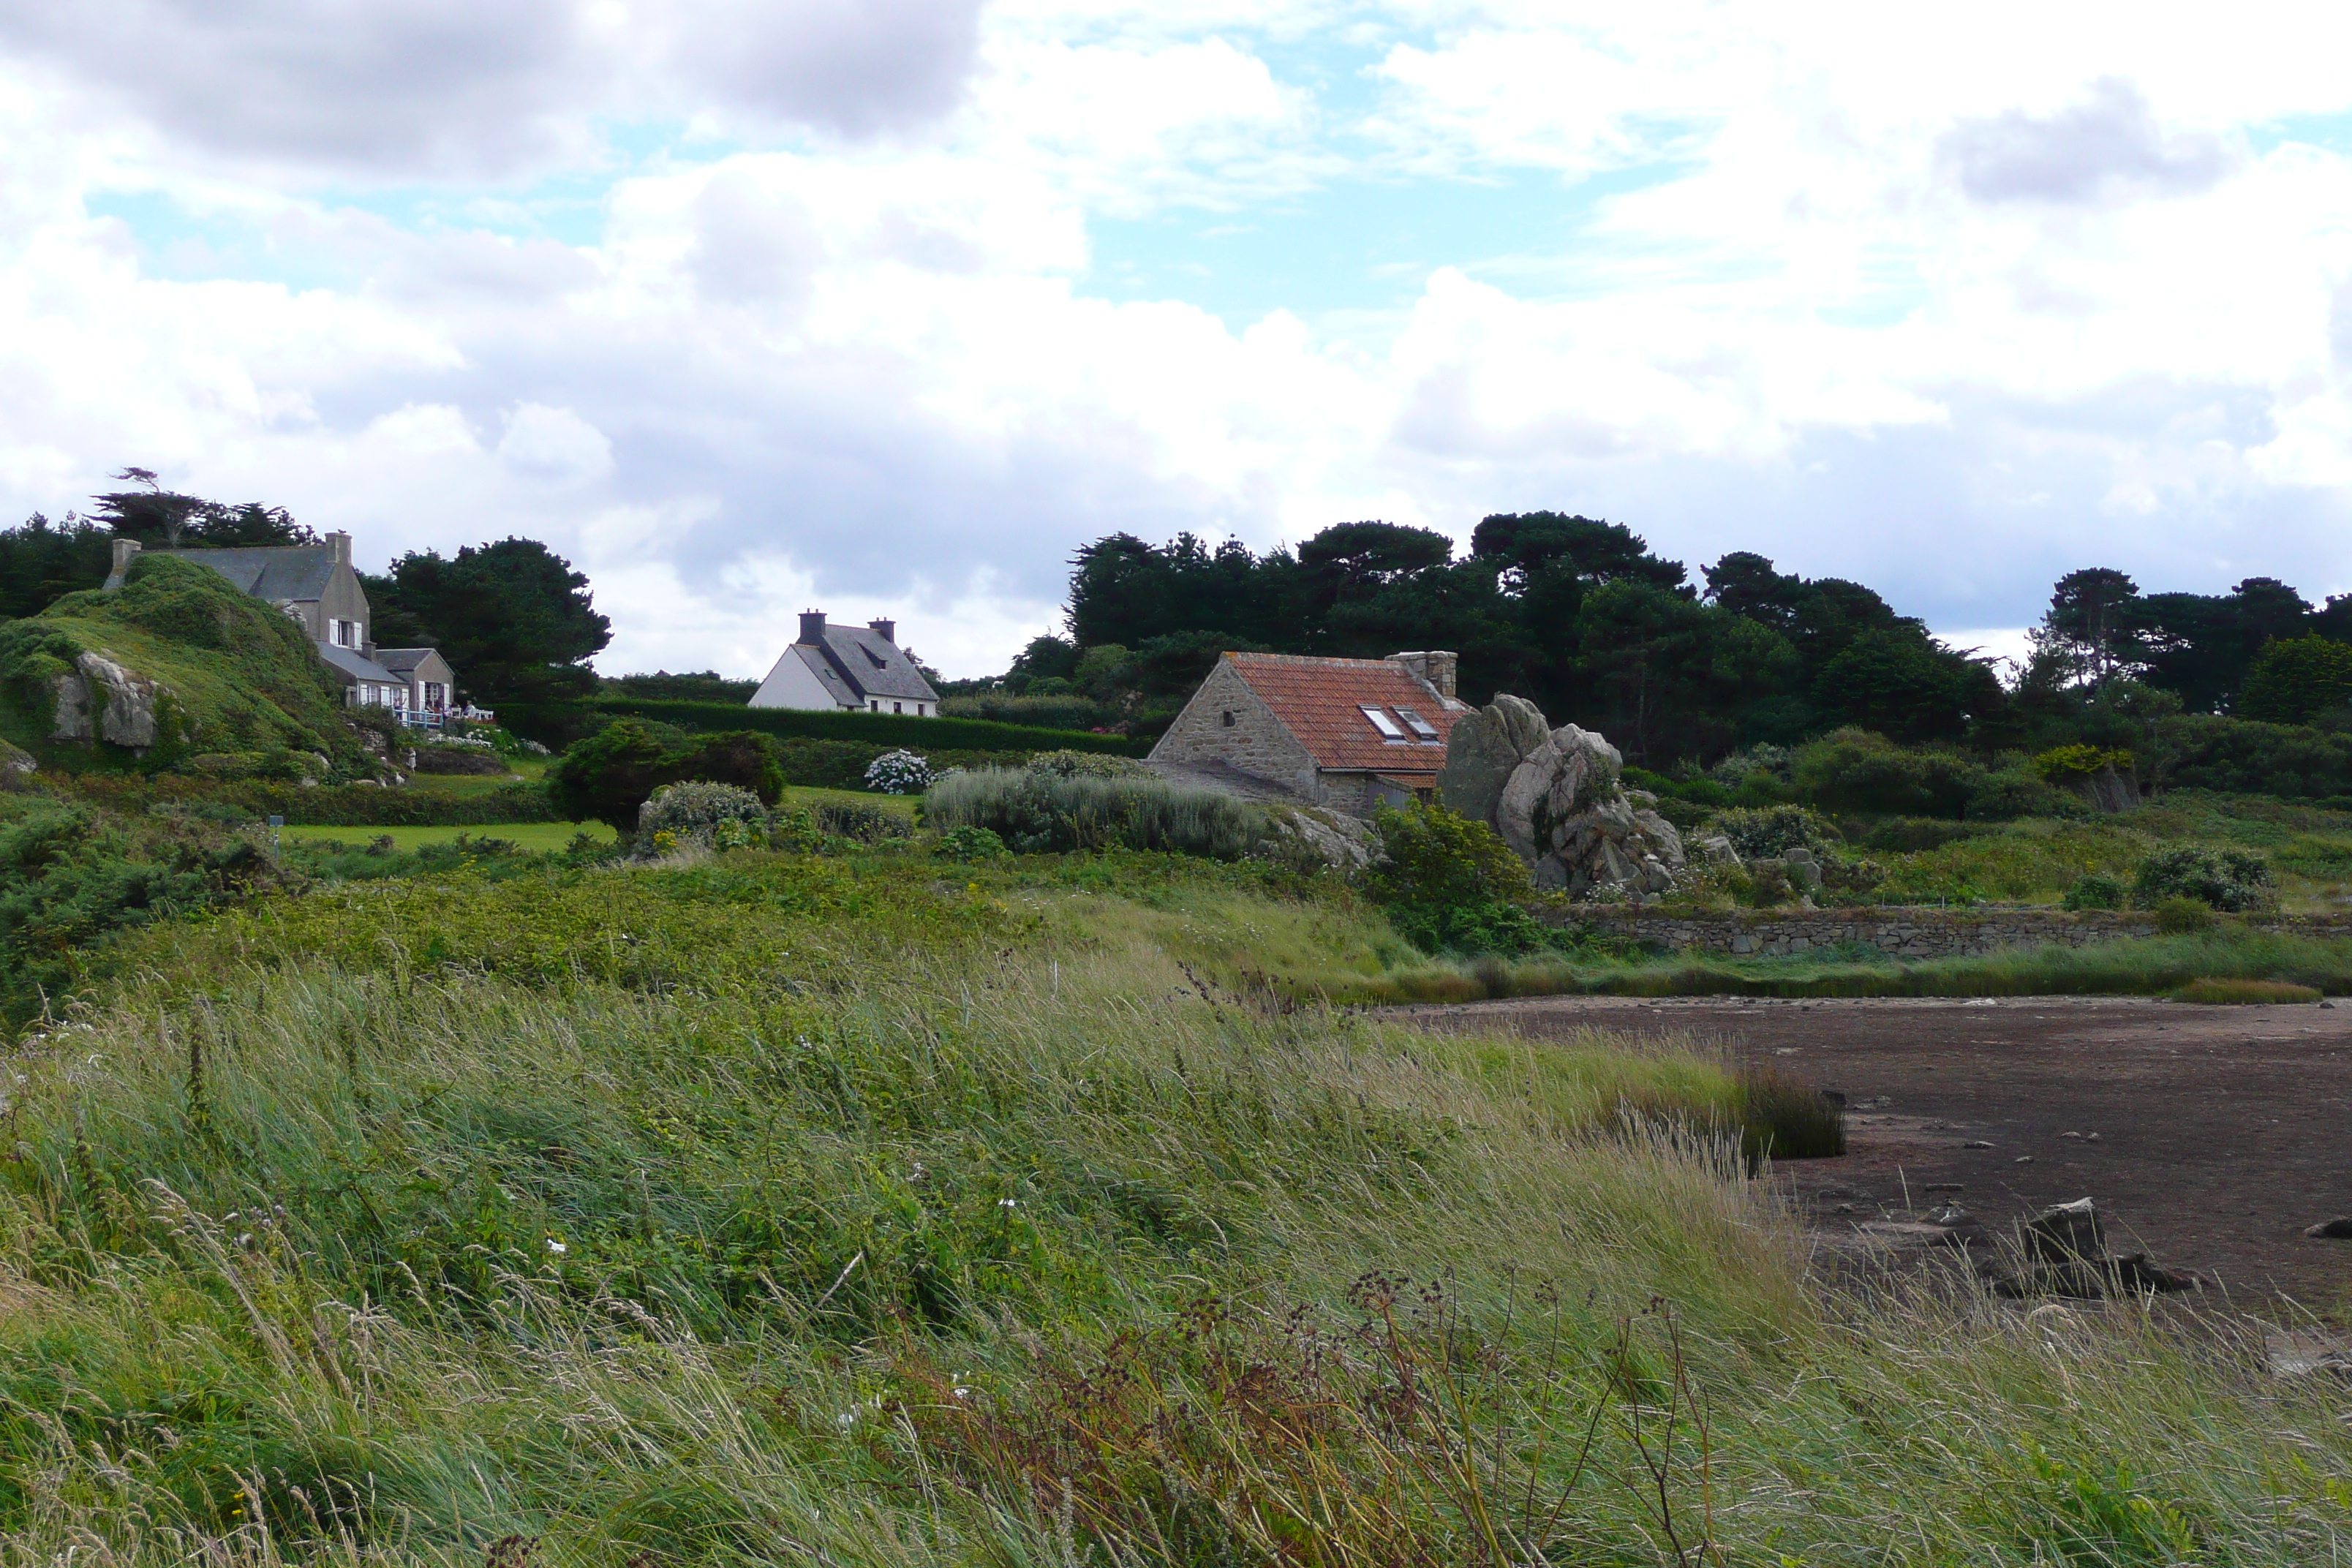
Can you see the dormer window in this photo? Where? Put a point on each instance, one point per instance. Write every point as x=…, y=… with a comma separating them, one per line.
x=876, y=659
x=1388, y=727
x=1421, y=728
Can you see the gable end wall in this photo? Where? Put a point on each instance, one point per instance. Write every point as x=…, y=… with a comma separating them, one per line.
x=1257, y=743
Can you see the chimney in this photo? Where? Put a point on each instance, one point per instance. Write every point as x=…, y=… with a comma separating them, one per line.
x=887, y=630
x=125, y=549
x=813, y=627
x=1436, y=667
x=340, y=543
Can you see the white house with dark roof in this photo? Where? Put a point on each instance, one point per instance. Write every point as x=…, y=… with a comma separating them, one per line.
x=847, y=668
x=316, y=585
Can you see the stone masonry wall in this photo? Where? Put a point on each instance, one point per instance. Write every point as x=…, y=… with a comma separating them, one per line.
x=1900, y=932
x=1254, y=743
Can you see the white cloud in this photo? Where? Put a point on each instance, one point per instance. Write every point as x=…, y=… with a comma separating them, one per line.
x=452, y=89
x=1877, y=296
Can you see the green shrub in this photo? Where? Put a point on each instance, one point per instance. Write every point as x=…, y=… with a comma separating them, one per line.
x=1762, y=832
x=1857, y=770
x=2178, y=916
x=610, y=775
x=73, y=875
x=1036, y=813
x=2230, y=880
x=715, y=816
x=2238, y=756
x=969, y=844
x=2009, y=794
x=1449, y=884
x=2095, y=890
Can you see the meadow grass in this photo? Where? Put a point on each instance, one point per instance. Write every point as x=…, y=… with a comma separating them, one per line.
x=848, y=1210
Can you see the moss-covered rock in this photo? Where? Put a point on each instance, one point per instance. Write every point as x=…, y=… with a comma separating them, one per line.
x=178, y=664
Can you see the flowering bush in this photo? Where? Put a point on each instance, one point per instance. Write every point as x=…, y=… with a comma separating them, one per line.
x=900, y=773
x=718, y=816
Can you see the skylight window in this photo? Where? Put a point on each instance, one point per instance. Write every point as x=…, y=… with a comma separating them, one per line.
x=1421, y=728
x=1383, y=723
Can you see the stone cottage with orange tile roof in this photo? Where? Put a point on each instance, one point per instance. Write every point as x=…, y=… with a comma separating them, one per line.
x=1349, y=733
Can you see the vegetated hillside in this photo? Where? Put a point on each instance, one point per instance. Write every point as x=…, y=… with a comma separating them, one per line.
x=839, y=1209
x=198, y=669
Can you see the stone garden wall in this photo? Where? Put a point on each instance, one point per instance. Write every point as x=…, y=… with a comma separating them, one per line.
x=1898, y=933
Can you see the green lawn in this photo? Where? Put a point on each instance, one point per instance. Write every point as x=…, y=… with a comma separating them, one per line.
x=799, y=795
x=534, y=836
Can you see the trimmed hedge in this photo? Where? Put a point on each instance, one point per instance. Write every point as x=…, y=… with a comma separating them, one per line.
x=884, y=732
x=346, y=805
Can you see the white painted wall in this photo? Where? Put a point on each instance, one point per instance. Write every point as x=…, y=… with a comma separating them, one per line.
x=791, y=684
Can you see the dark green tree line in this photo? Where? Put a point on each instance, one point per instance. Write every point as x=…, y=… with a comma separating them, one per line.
x=1577, y=615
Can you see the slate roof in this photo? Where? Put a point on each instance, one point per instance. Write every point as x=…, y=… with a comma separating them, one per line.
x=1321, y=702
x=854, y=663
x=356, y=667
x=274, y=572
x=400, y=660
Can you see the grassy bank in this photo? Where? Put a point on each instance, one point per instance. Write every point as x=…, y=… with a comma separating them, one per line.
x=2152, y=966
x=862, y=1210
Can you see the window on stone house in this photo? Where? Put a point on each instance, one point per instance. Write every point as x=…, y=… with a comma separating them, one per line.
x=1388, y=727
x=1421, y=728
x=1229, y=717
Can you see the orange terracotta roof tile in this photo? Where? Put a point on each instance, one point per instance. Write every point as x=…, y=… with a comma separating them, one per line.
x=1321, y=702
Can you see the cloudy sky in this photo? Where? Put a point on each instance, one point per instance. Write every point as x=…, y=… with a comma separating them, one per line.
x=882, y=305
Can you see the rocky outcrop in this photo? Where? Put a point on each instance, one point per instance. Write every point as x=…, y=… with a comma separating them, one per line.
x=1554, y=795
x=100, y=699
x=16, y=763
x=1334, y=838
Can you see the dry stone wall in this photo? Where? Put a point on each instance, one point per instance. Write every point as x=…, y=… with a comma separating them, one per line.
x=1897, y=932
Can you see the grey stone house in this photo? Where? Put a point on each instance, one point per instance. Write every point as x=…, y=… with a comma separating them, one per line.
x=315, y=584
x=1349, y=733
x=845, y=670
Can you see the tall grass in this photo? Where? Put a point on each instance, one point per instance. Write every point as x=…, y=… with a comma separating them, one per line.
x=1037, y=811
x=2150, y=966
x=799, y=1209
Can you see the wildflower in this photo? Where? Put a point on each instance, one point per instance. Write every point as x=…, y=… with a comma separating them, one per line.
x=1007, y=1203
x=556, y=1247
